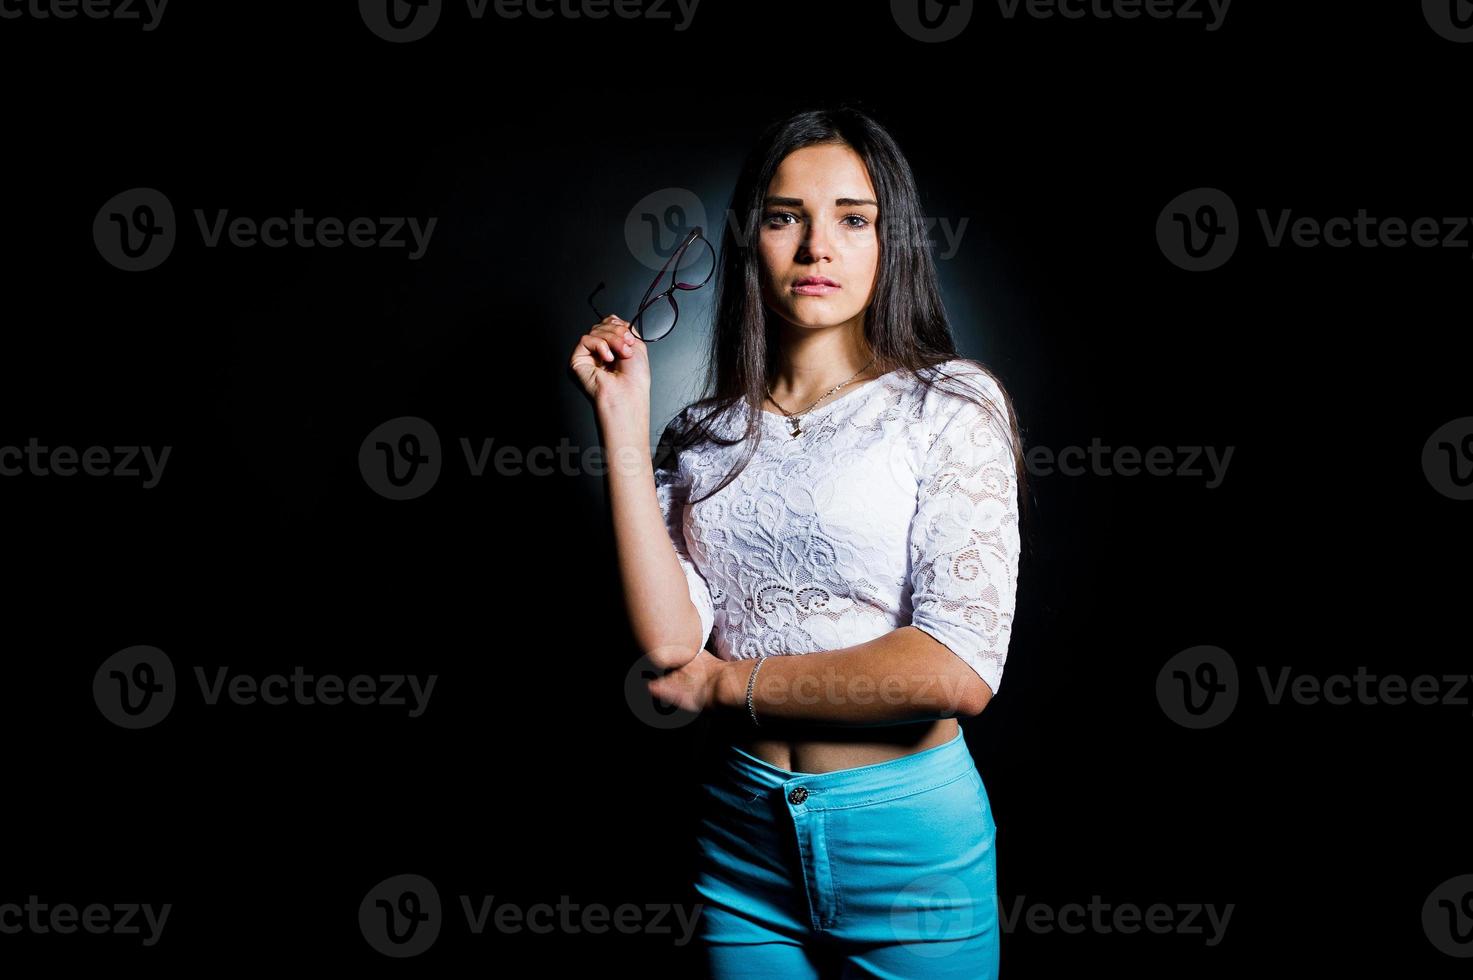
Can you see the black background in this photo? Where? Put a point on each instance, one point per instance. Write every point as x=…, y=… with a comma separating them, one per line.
x=530, y=777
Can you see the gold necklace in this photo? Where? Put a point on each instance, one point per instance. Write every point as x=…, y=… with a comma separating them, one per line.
x=795, y=419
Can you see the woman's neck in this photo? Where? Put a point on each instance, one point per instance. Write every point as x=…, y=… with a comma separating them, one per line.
x=809, y=367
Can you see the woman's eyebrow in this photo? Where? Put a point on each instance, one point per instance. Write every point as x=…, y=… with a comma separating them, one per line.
x=842, y=202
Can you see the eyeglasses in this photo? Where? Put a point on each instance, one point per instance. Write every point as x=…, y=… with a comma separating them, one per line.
x=689, y=267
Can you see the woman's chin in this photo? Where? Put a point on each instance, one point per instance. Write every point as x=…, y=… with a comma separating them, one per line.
x=814, y=314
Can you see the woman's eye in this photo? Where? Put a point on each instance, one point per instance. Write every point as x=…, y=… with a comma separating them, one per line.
x=778, y=219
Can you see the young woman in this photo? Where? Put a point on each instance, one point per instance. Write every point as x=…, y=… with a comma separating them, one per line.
x=841, y=520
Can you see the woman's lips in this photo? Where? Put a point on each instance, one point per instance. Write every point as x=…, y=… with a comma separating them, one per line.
x=814, y=289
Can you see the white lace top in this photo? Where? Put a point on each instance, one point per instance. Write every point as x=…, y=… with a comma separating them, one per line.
x=896, y=506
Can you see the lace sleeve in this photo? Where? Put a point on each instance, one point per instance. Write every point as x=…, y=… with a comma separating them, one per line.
x=964, y=540
x=672, y=490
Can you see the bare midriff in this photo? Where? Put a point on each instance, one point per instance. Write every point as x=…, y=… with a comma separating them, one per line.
x=807, y=748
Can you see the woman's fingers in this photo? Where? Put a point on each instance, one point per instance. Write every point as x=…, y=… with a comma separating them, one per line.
x=596, y=347
x=607, y=342
x=602, y=350
x=616, y=336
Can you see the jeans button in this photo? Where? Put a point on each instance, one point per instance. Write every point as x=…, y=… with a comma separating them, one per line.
x=798, y=795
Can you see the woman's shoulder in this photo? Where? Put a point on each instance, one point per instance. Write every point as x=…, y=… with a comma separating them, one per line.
x=690, y=429
x=688, y=418
x=956, y=383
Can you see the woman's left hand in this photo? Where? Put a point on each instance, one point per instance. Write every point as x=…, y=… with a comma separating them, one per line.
x=692, y=687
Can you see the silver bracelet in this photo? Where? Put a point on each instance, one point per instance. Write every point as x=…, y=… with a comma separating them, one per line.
x=751, y=681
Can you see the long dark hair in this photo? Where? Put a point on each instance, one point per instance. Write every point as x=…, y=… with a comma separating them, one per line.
x=905, y=325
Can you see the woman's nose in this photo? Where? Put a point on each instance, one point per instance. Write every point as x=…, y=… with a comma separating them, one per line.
x=816, y=244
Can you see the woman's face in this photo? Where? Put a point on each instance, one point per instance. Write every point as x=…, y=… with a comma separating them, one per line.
x=819, y=219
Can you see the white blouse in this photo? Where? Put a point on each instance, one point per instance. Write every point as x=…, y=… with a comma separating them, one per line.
x=897, y=505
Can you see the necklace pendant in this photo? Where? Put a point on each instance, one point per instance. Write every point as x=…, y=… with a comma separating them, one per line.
x=796, y=432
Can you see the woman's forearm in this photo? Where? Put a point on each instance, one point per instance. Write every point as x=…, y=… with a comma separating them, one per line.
x=661, y=614
x=905, y=675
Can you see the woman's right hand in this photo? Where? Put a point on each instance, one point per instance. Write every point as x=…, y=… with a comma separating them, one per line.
x=612, y=364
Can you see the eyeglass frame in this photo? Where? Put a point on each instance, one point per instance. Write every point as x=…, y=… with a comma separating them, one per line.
x=669, y=291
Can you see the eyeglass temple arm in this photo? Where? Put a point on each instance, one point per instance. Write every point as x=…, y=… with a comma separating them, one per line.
x=695, y=233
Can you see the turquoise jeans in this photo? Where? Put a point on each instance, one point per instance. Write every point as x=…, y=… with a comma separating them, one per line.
x=885, y=870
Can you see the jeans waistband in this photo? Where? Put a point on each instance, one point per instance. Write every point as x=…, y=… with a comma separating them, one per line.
x=858, y=786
